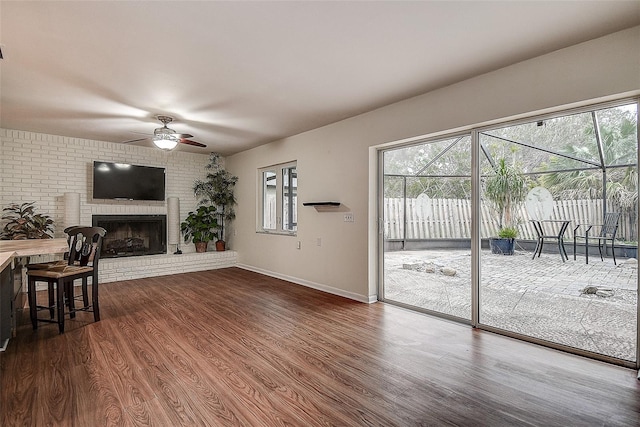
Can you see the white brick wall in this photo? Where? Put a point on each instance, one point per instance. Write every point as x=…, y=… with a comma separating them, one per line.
x=40, y=168
x=139, y=267
x=116, y=269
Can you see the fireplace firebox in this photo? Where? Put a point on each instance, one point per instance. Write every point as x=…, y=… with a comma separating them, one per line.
x=132, y=235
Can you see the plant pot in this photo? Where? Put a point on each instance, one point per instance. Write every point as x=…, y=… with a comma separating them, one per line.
x=220, y=245
x=201, y=247
x=502, y=246
x=627, y=251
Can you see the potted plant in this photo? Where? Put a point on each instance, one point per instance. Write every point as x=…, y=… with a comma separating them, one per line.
x=505, y=189
x=505, y=242
x=23, y=223
x=217, y=190
x=200, y=226
x=627, y=249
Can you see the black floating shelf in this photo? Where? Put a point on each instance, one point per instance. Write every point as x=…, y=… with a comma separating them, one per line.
x=321, y=204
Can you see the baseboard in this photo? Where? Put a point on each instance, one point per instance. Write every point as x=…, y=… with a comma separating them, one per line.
x=309, y=284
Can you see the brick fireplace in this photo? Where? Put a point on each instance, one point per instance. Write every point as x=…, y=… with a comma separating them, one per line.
x=132, y=235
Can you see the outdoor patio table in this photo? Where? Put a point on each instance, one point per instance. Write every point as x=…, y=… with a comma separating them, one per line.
x=560, y=225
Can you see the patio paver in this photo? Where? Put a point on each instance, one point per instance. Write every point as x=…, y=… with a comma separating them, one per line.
x=542, y=297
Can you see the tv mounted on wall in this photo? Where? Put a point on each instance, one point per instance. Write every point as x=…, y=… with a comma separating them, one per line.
x=123, y=181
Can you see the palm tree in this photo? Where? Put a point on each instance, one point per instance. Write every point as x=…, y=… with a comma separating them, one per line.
x=506, y=189
x=618, y=134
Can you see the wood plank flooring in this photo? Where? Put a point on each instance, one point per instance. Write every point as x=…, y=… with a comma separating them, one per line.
x=232, y=347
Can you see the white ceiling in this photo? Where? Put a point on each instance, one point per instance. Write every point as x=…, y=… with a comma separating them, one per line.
x=240, y=74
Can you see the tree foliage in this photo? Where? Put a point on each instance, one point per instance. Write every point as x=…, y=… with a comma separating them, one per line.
x=434, y=168
x=618, y=134
x=217, y=189
x=560, y=154
x=506, y=189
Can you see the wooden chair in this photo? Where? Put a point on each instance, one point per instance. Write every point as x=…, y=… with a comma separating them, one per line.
x=49, y=264
x=42, y=265
x=82, y=263
x=607, y=233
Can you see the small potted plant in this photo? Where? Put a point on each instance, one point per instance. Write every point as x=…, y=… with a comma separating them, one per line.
x=23, y=223
x=505, y=189
x=217, y=190
x=505, y=243
x=201, y=226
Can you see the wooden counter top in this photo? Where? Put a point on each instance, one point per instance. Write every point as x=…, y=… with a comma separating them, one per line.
x=5, y=259
x=10, y=285
x=32, y=247
x=10, y=249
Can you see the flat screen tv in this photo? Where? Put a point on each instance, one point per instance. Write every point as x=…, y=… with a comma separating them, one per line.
x=122, y=181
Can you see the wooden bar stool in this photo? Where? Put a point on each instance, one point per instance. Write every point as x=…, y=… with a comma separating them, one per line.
x=84, y=255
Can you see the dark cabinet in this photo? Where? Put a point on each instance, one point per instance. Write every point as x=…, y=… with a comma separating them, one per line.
x=6, y=305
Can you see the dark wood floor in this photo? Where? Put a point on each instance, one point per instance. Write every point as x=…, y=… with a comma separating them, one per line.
x=231, y=347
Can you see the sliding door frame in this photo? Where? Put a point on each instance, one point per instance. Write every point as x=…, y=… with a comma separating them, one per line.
x=380, y=218
x=475, y=228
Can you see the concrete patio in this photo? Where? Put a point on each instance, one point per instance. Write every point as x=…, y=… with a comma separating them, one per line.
x=542, y=297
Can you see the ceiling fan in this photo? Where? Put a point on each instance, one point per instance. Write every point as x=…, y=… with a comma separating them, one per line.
x=166, y=138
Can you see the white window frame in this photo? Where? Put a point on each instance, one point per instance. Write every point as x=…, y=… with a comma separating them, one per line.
x=262, y=202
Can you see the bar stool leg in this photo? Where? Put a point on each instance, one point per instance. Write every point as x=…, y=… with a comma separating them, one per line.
x=94, y=296
x=71, y=301
x=33, y=310
x=52, y=299
x=60, y=302
x=85, y=296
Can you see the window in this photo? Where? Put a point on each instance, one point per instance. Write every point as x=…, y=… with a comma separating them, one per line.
x=279, y=199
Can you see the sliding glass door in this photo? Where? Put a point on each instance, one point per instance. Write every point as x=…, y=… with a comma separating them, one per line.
x=559, y=178
x=538, y=240
x=427, y=226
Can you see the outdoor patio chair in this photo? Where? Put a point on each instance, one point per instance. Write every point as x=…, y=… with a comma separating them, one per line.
x=607, y=233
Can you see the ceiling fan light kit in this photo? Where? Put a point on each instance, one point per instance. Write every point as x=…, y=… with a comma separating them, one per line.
x=165, y=142
x=165, y=138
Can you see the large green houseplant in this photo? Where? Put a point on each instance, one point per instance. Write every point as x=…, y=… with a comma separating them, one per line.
x=201, y=227
x=24, y=223
x=505, y=189
x=217, y=190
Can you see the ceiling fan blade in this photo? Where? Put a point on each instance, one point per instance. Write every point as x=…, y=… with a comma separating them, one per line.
x=189, y=142
x=183, y=135
x=134, y=140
